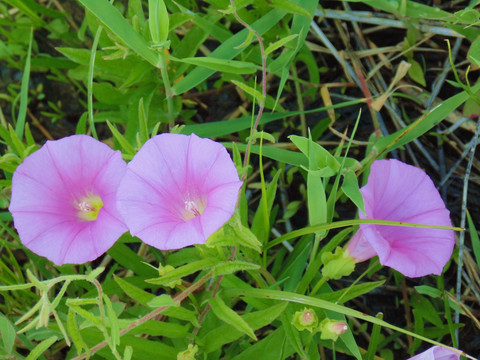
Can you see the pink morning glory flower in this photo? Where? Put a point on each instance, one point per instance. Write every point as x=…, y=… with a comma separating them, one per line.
x=64, y=199
x=437, y=353
x=400, y=192
x=178, y=190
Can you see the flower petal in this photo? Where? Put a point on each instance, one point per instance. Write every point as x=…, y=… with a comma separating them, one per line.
x=400, y=192
x=46, y=188
x=170, y=172
x=437, y=353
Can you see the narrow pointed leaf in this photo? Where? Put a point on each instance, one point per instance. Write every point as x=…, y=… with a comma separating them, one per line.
x=224, y=313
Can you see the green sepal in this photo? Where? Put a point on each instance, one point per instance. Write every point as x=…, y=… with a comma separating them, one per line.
x=338, y=264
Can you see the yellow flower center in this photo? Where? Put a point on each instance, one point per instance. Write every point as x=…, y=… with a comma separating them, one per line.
x=89, y=207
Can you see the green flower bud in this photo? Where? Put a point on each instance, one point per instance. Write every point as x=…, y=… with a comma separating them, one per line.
x=189, y=353
x=337, y=265
x=331, y=329
x=305, y=320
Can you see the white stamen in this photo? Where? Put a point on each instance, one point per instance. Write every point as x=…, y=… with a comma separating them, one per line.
x=192, y=207
x=85, y=206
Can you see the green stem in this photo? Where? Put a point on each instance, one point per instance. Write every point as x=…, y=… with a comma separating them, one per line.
x=168, y=90
x=357, y=280
x=301, y=108
x=317, y=287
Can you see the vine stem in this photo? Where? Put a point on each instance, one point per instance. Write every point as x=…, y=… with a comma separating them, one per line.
x=178, y=299
x=214, y=293
x=264, y=84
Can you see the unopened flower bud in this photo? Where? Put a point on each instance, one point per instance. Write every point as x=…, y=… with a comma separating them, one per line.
x=305, y=320
x=189, y=353
x=331, y=329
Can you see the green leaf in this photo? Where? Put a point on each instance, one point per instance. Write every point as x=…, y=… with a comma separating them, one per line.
x=325, y=162
x=374, y=340
x=258, y=222
x=227, y=50
x=126, y=146
x=143, y=348
x=251, y=91
x=426, y=309
x=290, y=7
x=74, y=332
x=223, y=65
x=183, y=271
x=162, y=328
x=474, y=238
x=113, y=19
x=15, y=287
x=322, y=304
x=230, y=267
x=162, y=300
x=224, y=313
x=247, y=41
x=94, y=273
x=29, y=8
x=277, y=44
x=316, y=197
x=293, y=267
x=233, y=233
x=129, y=259
x=224, y=334
x=127, y=353
x=474, y=52
x=41, y=348
x=413, y=9
x=142, y=122
x=261, y=135
x=158, y=20
x=351, y=189
x=7, y=330
x=113, y=320
x=87, y=315
x=292, y=334
x=139, y=295
x=416, y=72
x=22, y=112
x=220, y=128
x=428, y=290
x=19, y=147
x=273, y=347
x=352, y=292
x=423, y=124
x=182, y=314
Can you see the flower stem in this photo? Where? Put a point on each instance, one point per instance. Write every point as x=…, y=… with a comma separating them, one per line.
x=317, y=287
